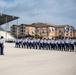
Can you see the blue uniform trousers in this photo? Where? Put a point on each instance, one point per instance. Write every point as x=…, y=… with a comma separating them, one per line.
x=48, y=46
x=63, y=46
x=1, y=48
x=41, y=46
x=72, y=47
x=67, y=47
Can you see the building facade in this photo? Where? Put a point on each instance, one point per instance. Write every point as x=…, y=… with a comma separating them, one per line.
x=74, y=34
x=13, y=29
x=64, y=30
x=43, y=29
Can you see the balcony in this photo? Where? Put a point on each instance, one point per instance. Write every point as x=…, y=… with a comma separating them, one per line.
x=22, y=30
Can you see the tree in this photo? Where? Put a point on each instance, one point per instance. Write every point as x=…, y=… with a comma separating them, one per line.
x=15, y=36
x=36, y=36
x=40, y=37
x=60, y=37
x=32, y=36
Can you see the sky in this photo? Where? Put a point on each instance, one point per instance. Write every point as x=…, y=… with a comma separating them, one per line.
x=56, y=12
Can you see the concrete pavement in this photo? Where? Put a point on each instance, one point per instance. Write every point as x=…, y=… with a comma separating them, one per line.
x=18, y=61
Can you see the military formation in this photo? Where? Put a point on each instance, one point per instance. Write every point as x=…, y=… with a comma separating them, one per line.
x=46, y=44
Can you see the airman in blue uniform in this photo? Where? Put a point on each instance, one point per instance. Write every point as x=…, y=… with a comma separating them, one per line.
x=2, y=45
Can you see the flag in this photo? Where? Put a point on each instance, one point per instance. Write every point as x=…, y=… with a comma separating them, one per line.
x=43, y=32
x=49, y=30
x=56, y=28
x=36, y=30
x=52, y=29
x=33, y=32
x=40, y=33
x=64, y=30
x=60, y=31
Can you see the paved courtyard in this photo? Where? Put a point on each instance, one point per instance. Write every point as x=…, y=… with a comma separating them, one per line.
x=18, y=61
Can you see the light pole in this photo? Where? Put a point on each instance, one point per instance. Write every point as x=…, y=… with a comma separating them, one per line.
x=17, y=28
x=6, y=27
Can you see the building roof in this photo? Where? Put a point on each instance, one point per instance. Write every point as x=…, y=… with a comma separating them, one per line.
x=41, y=25
x=60, y=26
x=24, y=25
x=9, y=18
x=13, y=26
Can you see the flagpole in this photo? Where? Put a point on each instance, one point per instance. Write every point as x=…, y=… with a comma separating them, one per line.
x=6, y=28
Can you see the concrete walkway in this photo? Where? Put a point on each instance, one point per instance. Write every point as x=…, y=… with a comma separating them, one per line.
x=36, y=62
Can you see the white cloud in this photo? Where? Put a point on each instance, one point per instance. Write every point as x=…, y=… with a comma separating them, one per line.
x=49, y=11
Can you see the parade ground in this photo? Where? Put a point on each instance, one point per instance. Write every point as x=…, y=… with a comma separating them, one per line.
x=19, y=61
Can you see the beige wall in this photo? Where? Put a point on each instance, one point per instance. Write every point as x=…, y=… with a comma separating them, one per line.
x=13, y=29
x=29, y=30
x=69, y=33
x=74, y=34
x=45, y=34
x=59, y=31
x=51, y=33
x=55, y=33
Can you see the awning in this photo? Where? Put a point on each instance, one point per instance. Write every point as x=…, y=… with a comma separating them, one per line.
x=8, y=18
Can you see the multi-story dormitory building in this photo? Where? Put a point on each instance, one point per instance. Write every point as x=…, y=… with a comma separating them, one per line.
x=43, y=29
x=74, y=33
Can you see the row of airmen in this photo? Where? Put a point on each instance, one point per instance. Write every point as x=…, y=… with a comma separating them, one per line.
x=51, y=44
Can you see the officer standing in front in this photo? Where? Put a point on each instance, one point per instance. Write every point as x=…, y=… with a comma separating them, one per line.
x=2, y=45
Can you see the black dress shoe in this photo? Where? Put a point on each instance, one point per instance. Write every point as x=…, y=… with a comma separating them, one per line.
x=2, y=54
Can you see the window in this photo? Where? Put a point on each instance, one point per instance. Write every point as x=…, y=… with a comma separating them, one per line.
x=66, y=34
x=21, y=33
x=22, y=27
x=70, y=34
x=22, y=30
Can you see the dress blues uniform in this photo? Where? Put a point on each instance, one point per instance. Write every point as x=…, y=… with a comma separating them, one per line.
x=44, y=43
x=35, y=43
x=26, y=43
x=31, y=44
x=38, y=43
x=52, y=44
x=72, y=45
x=59, y=44
x=48, y=44
x=20, y=43
x=41, y=44
x=75, y=45
x=2, y=45
x=63, y=44
x=23, y=43
x=16, y=43
x=67, y=44
x=55, y=45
